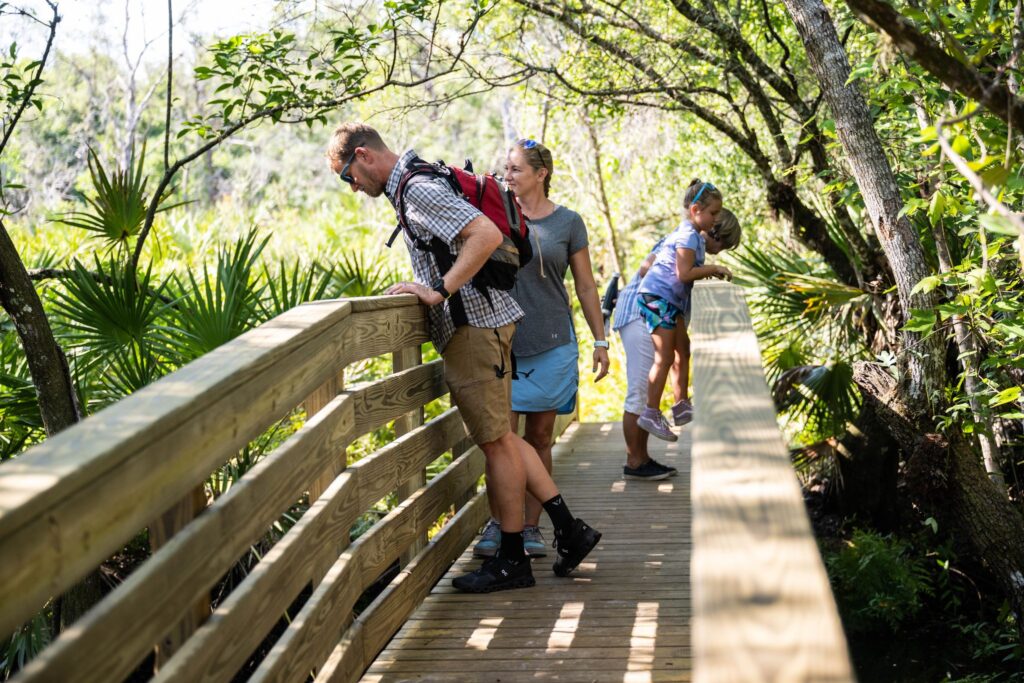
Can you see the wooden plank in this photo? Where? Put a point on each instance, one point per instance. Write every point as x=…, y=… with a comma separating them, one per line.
x=160, y=533
x=237, y=626
x=397, y=461
x=144, y=453
x=313, y=404
x=108, y=642
x=524, y=668
x=763, y=610
x=562, y=676
x=385, y=615
x=631, y=591
x=319, y=625
x=401, y=360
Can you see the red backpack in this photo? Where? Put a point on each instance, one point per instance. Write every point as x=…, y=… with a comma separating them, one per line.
x=489, y=194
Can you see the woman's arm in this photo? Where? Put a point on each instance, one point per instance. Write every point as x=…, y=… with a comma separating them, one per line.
x=586, y=291
x=686, y=271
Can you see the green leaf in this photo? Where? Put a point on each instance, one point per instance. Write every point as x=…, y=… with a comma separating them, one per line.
x=860, y=72
x=936, y=207
x=998, y=224
x=961, y=145
x=921, y=321
x=927, y=284
x=1005, y=396
x=995, y=176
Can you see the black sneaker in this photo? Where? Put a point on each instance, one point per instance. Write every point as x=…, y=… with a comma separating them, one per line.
x=496, y=574
x=668, y=468
x=574, y=546
x=650, y=471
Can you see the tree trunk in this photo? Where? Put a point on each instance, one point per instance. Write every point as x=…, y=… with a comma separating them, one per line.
x=868, y=461
x=946, y=481
x=979, y=515
x=618, y=257
x=925, y=374
x=58, y=401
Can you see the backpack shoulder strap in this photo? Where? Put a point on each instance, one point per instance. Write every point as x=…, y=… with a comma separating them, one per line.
x=416, y=167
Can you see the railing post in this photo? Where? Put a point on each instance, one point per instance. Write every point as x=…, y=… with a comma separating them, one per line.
x=161, y=531
x=403, y=359
x=313, y=404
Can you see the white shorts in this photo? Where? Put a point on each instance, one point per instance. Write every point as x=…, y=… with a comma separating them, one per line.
x=639, y=349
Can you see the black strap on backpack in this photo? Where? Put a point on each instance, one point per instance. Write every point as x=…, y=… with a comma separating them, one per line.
x=436, y=247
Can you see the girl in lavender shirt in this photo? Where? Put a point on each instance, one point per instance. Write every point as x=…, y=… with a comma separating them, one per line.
x=664, y=300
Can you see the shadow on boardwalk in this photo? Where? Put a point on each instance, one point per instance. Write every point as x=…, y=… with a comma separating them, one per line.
x=624, y=615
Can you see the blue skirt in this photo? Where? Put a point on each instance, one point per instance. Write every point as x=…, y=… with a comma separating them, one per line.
x=548, y=380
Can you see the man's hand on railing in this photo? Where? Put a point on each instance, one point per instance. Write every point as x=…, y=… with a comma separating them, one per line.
x=425, y=294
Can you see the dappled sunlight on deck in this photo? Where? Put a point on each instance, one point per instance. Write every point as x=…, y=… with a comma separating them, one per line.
x=624, y=613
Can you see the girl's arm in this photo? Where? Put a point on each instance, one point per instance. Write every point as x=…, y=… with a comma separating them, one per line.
x=686, y=271
x=586, y=291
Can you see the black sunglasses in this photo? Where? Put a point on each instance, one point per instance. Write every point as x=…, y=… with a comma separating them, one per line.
x=344, y=174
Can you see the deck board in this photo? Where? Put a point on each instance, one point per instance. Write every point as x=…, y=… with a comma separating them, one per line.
x=624, y=614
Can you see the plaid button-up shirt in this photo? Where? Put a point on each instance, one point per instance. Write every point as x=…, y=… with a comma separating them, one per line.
x=432, y=209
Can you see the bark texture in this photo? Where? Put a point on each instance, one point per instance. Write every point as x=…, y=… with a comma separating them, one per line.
x=946, y=481
x=58, y=401
x=922, y=357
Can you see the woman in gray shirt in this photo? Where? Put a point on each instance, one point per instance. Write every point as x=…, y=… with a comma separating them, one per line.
x=545, y=345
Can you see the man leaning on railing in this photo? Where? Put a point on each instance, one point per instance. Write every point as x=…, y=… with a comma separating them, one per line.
x=449, y=241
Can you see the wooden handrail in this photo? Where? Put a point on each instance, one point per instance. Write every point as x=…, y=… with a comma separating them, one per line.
x=762, y=606
x=69, y=503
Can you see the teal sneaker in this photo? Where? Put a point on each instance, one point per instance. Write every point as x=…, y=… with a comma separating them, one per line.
x=533, y=542
x=490, y=539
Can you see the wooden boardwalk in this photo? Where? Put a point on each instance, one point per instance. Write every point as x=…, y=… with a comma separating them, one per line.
x=624, y=615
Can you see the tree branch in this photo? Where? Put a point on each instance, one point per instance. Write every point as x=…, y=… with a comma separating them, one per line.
x=34, y=83
x=962, y=78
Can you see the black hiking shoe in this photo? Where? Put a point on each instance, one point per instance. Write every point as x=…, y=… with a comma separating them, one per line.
x=574, y=546
x=650, y=471
x=496, y=574
x=668, y=468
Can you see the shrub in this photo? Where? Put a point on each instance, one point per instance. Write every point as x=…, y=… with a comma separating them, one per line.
x=877, y=581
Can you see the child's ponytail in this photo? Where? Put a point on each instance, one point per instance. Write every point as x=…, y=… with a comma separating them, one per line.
x=701, y=193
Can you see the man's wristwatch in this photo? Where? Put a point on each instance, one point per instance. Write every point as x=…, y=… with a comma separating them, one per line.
x=600, y=344
x=439, y=288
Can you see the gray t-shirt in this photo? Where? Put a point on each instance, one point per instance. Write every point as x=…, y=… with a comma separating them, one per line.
x=540, y=286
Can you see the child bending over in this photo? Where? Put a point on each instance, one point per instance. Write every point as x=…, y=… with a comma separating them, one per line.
x=664, y=297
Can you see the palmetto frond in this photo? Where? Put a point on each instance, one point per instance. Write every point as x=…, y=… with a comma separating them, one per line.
x=798, y=303
x=823, y=397
x=286, y=290
x=217, y=307
x=118, y=209
x=358, y=274
x=20, y=422
x=806, y=322
x=111, y=312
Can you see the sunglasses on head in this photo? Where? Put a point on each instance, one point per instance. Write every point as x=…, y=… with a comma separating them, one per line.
x=527, y=143
x=344, y=174
x=704, y=186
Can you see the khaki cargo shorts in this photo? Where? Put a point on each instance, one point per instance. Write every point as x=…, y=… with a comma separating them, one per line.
x=483, y=398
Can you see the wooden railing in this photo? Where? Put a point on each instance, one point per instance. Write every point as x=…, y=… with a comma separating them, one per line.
x=762, y=606
x=70, y=503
